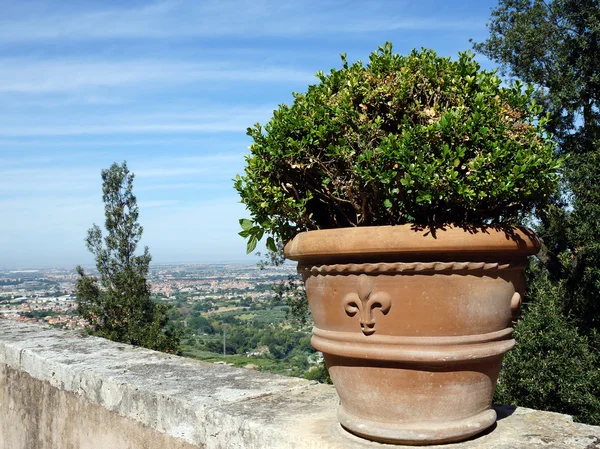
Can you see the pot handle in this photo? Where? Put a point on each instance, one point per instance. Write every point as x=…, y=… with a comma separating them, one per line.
x=515, y=307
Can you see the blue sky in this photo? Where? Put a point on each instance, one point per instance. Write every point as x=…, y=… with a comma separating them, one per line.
x=169, y=86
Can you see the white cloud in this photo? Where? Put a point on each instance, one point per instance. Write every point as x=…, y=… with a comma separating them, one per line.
x=19, y=181
x=237, y=18
x=23, y=161
x=200, y=166
x=91, y=129
x=181, y=186
x=30, y=75
x=121, y=142
x=85, y=83
x=30, y=179
x=50, y=231
x=157, y=203
x=420, y=24
x=211, y=120
x=169, y=172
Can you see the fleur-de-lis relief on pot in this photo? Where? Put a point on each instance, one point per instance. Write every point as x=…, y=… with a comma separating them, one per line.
x=364, y=303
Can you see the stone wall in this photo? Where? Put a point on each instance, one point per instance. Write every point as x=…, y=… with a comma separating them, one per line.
x=62, y=390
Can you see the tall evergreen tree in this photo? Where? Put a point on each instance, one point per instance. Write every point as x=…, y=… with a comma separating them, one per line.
x=117, y=305
x=555, y=44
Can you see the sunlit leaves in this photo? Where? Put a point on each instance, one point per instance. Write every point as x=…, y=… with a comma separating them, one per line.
x=404, y=139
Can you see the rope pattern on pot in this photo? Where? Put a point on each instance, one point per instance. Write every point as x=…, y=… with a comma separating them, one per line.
x=407, y=267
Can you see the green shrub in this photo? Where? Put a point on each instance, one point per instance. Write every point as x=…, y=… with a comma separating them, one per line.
x=405, y=139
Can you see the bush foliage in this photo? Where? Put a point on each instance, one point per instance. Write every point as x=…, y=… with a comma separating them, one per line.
x=554, y=44
x=405, y=139
x=553, y=367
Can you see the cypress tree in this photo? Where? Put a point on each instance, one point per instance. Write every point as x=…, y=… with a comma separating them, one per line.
x=117, y=303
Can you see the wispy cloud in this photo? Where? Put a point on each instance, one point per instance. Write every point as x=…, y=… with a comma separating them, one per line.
x=218, y=120
x=28, y=75
x=41, y=180
x=169, y=172
x=212, y=165
x=156, y=203
x=170, y=86
x=422, y=24
x=90, y=129
x=31, y=179
x=6, y=163
x=182, y=186
x=12, y=144
x=238, y=18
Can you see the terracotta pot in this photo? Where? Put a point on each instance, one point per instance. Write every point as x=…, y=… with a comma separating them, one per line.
x=412, y=326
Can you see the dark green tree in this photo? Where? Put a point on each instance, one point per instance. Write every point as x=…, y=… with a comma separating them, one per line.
x=117, y=303
x=552, y=366
x=555, y=44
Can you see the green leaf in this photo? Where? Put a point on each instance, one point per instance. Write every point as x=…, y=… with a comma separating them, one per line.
x=251, y=244
x=257, y=232
x=387, y=203
x=245, y=224
x=271, y=246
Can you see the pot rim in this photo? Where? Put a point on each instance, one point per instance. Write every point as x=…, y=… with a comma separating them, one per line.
x=412, y=243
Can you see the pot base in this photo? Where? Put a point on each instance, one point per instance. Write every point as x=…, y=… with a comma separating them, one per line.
x=416, y=433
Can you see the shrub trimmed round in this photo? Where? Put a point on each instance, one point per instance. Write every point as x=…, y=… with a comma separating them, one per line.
x=404, y=139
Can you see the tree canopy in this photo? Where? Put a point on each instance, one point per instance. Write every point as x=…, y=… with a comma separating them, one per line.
x=555, y=44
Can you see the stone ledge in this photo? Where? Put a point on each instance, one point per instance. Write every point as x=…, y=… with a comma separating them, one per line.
x=211, y=406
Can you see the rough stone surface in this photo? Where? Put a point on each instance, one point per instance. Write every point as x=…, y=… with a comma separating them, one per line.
x=64, y=390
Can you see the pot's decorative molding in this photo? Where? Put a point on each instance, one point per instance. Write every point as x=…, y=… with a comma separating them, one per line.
x=414, y=349
x=407, y=267
x=365, y=302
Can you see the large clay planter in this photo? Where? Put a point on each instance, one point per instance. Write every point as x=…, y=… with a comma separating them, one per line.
x=413, y=327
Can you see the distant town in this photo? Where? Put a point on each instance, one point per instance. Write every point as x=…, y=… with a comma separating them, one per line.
x=47, y=295
x=227, y=313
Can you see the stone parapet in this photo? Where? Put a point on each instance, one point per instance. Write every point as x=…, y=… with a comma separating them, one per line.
x=60, y=389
